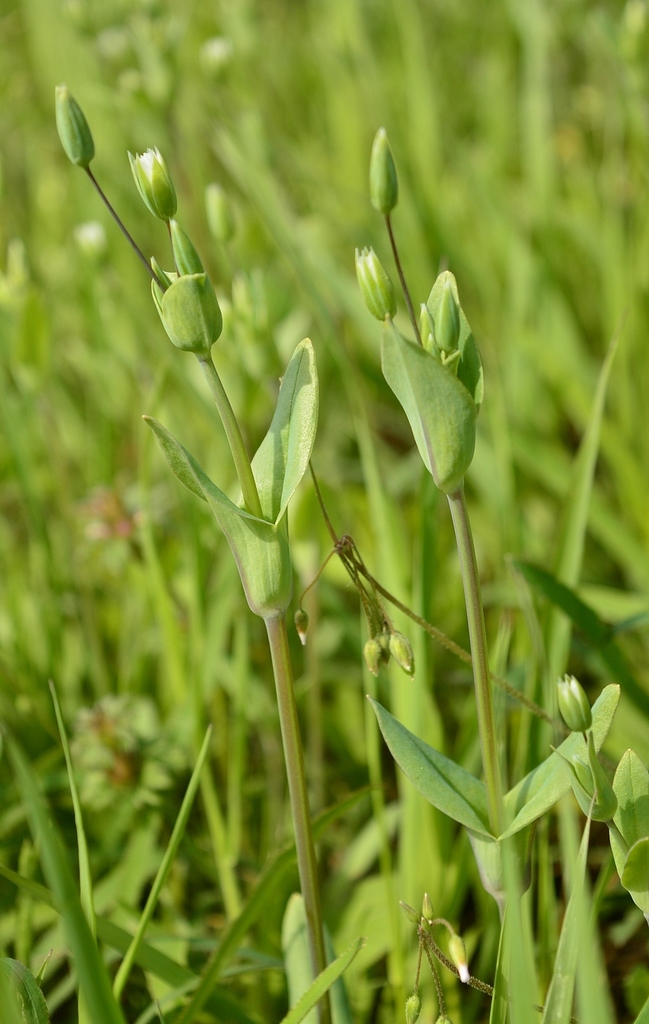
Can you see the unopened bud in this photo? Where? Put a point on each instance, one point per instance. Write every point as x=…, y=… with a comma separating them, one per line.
x=375, y=285
x=427, y=907
x=154, y=183
x=410, y=912
x=186, y=258
x=457, y=952
x=426, y=328
x=413, y=1008
x=301, y=620
x=190, y=313
x=219, y=213
x=447, y=321
x=573, y=705
x=401, y=651
x=372, y=655
x=384, y=186
x=443, y=1019
x=74, y=130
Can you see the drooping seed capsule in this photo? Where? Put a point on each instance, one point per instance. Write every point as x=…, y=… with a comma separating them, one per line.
x=219, y=213
x=573, y=704
x=301, y=624
x=372, y=655
x=457, y=952
x=375, y=285
x=413, y=1008
x=186, y=258
x=154, y=183
x=384, y=185
x=447, y=322
x=74, y=130
x=401, y=651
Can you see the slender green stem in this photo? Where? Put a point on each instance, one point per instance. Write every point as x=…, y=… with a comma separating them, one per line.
x=481, y=674
x=234, y=436
x=402, y=278
x=294, y=758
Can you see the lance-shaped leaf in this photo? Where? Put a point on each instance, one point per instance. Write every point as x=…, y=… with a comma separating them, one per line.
x=283, y=456
x=542, y=787
x=440, y=410
x=32, y=1002
x=260, y=548
x=469, y=368
x=299, y=970
x=444, y=783
x=631, y=847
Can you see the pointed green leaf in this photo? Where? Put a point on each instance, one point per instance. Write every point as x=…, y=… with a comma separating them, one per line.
x=542, y=787
x=631, y=787
x=297, y=963
x=635, y=876
x=260, y=548
x=643, y=1016
x=283, y=456
x=440, y=410
x=34, y=1007
x=444, y=783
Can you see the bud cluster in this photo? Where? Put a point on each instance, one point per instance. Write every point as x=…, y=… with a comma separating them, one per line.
x=389, y=642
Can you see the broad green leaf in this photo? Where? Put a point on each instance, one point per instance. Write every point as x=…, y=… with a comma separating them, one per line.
x=635, y=876
x=631, y=787
x=260, y=548
x=34, y=1007
x=299, y=971
x=283, y=456
x=440, y=410
x=469, y=368
x=164, y=869
x=597, y=632
x=542, y=787
x=264, y=890
x=558, y=1003
x=446, y=785
x=322, y=983
x=93, y=978
x=643, y=1016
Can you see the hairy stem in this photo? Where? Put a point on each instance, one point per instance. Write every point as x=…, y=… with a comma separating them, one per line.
x=481, y=674
x=234, y=436
x=294, y=758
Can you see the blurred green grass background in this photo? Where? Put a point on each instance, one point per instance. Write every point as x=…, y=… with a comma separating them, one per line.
x=521, y=134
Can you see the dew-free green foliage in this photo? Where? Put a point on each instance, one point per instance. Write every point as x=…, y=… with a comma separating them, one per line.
x=520, y=140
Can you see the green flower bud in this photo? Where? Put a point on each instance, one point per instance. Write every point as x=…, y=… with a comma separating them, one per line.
x=413, y=1008
x=410, y=912
x=74, y=131
x=401, y=651
x=186, y=258
x=154, y=183
x=447, y=322
x=301, y=624
x=443, y=1020
x=426, y=328
x=375, y=285
x=190, y=313
x=427, y=907
x=457, y=952
x=384, y=187
x=573, y=705
x=219, y=213
x=372, y=655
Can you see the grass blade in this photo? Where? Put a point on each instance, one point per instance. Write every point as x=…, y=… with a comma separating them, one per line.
x=322, y=984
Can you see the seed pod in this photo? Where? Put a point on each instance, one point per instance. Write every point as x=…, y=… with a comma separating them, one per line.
x=190, y=313
x=457, y=952
x=375, y=285
x=413, y=1008
x=154, y=183
x=301, y=620
x=186, y=258
x=372, y=655
x=74, y=130
x=401, y=651
x=447, y=322
x=219, y=213
x=384, y=186
x=573, y=705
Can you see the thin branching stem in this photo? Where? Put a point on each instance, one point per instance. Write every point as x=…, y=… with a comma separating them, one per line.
x=404, y=286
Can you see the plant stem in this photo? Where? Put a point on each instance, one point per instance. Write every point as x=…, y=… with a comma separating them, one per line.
x=404, y=286
x=294, y=758
x=122, y=227
x=234, y=436
x=481, y=674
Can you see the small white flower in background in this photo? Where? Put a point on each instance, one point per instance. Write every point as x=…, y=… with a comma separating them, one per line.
x=91, y=238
